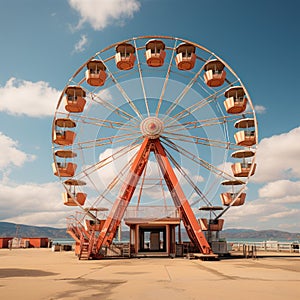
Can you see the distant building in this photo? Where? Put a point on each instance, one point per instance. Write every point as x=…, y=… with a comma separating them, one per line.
x=24, y=242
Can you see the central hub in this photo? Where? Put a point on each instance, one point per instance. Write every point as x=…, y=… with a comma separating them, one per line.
x=152, y=127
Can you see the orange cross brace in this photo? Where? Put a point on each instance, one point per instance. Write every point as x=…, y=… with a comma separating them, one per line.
x=111, y=224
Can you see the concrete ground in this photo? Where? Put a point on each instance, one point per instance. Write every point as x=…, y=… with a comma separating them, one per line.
x=40, y=274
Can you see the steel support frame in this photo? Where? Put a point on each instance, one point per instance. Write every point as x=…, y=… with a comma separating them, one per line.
x=190, y=222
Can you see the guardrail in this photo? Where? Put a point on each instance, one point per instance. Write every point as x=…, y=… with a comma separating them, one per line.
x=155, y=212
x=271, y=246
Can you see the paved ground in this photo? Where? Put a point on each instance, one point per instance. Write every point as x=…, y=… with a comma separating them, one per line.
x=42, y=274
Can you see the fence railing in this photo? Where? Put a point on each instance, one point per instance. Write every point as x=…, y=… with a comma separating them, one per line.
x=271, y=246
x=154, y=212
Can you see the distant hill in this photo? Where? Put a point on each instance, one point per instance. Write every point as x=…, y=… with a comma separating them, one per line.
x=259, y=234
x=10, y=230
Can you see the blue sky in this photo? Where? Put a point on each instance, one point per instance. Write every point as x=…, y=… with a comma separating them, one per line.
x=44, y=42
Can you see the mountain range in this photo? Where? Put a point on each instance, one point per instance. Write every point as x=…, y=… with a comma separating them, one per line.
x=21, y=230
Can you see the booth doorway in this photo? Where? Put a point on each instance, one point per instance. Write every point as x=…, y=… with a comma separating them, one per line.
x=152, y=239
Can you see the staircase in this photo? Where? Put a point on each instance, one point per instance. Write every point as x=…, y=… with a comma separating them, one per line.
x=85, y=239
x=88, y=248
x=84, y=250
x=74, y=232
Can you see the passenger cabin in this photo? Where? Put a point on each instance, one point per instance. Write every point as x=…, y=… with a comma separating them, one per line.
x=72, y=197
x=186, y=57
x=215, y=74
x=61, y=136
x=97, y=220
x=95, y=74
x=155, y=53
x=125, y=56
x=211, y=224
x=92, y=225
x=235, y=102
x=246, y=137
x=74, y=99
x=232, y=198
x=244, y=168
x=63, y=168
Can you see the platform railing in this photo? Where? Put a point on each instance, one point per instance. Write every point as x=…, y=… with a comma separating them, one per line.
x=267, y=246
x=151, y=212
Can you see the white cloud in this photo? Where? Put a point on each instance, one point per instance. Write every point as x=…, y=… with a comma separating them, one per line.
x=260, y=109
x=278, y=157
x=287, y=199
x=31, y=197
x=34, y=99
x=49, y=218
x=10, y=154
x=278, y=167
x=289, y=226
x=198, y=178
x=282, y=214
x=280, y=188
x=36, y=204
x=80, y=45
x=100, y=14
x=263, y=214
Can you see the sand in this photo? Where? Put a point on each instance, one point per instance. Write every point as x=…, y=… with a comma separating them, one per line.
x=39, y=274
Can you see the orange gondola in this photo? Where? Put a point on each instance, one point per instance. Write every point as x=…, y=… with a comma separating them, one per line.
x=125, y=56
x=233, y=199
x=215, y=74
x=155, y=53
x=64, y=168
x=211, y=225
x=95, y=74
x=62, y=136
x=72, y=197
x=74, y=99
x=186, y=57
x=246, y=137
x=235, y=102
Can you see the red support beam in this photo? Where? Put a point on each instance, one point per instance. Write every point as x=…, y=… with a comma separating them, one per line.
x=112, y=222
x=190, y=222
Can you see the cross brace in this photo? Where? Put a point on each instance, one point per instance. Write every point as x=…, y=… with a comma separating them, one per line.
x=190, y=222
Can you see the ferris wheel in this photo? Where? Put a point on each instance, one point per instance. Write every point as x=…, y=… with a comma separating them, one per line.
x=153, y=127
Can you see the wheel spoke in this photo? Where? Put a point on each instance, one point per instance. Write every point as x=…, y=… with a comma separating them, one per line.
x=142, y=82
x=125, y=96
x=201, y=140
x=201, y=162
x=113, y=183
x=106, y=123
x=188, y=179
x=112, y=107
x=166, y=81
x=202, y=123
x=183, y=93
x=142, y=185
x=196, y=106
x=114, y=139
x=109, y=159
